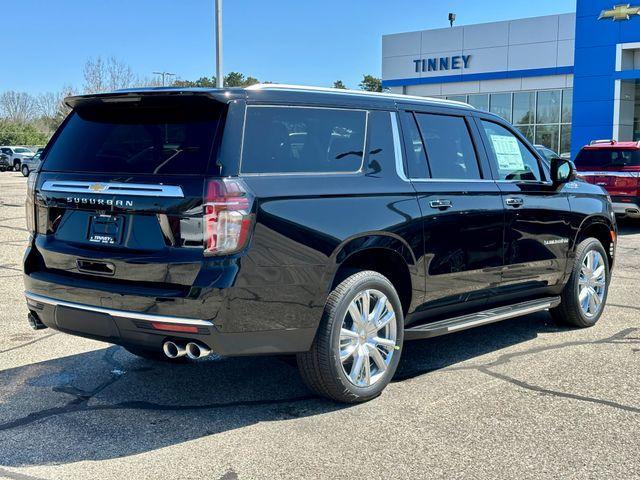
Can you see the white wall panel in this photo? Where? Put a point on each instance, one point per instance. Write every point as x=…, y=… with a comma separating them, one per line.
x=533, y=55
x=487, y=60
x=538, y=29
x=486, y=35
x=565, y=53
x=441, y=40
x=505, y=85
x=401, y=44
x=399, y=67
x=425, y=90
x=460, y=88
x=567, y=26
x=541, y=83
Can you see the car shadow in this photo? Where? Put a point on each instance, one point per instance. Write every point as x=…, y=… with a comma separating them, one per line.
x=108, y=403
x=628, y=226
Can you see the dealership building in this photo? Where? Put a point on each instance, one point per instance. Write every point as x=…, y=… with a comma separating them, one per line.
x=562, y=80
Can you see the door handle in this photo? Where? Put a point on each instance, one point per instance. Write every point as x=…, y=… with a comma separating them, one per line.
x=440, y=204
x=514, y=202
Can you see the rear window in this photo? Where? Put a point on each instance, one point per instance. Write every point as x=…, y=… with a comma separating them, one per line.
x=136, y=140
x=607, y=158
x=303, y=140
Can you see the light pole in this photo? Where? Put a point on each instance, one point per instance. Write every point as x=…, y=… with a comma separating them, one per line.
x=219, y=74
x=164, y=75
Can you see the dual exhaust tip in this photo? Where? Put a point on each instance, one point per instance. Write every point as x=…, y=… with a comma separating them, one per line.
x=193, y=350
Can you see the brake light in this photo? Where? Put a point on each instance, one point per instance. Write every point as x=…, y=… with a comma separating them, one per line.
x=30, y=209
x=227, y=216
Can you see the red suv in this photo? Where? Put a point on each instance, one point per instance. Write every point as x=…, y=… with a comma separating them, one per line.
x=615, y=166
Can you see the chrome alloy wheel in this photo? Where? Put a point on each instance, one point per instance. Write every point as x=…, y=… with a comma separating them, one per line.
x=367, y=338
x=592, y=283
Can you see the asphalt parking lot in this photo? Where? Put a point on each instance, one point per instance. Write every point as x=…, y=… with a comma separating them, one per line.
x=518, y=399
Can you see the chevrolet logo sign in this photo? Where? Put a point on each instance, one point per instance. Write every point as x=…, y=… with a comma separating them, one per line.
x=619, y=13
x=98, y=187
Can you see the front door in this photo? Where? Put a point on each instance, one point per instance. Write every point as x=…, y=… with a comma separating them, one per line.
x=537, y=222
x=461, y=207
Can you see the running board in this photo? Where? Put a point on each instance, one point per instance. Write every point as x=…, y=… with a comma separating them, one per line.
x=456, y=324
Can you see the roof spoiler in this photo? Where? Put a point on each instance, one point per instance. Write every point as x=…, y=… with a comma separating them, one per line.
x=135, y=96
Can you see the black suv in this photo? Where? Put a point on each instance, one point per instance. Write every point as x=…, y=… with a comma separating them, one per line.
x=285, y=220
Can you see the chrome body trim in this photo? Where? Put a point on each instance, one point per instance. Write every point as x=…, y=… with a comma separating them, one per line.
x=117, y=313
x=108, y=188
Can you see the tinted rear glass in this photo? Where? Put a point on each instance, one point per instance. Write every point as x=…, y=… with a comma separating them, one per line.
x=303, y=140
x=607, y=158
x=137, y=140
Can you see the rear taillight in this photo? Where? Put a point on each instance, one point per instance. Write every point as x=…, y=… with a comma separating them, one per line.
x=30, y=202
x=227, y=216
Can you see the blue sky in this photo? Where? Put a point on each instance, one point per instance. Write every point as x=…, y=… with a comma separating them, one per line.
x=45, y=43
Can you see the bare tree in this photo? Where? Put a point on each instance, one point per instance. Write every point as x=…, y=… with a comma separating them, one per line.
x=46, y=104
x=17, y=106
x=107, y=75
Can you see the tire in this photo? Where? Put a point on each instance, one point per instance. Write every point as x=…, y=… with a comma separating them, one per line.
x=321, y=367
x=16, y=166
x=571, y=310
x=154, y=355
x=25, y=171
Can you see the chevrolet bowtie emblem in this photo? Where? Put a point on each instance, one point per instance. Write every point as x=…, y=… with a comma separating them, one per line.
x=620, y=12
x=97, y=187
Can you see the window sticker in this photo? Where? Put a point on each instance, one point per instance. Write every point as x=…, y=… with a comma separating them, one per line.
x=508, y=152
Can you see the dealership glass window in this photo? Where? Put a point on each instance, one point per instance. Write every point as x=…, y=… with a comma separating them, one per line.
x=565, y=139
x=528, y=131
x=481, y=102
x=524, y=104
x=549, y=136
x=500, y=104
x=636, y=115
x=567, y=105
x=548, y=106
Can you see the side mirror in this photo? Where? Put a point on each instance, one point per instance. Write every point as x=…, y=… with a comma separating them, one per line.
x=562, y=170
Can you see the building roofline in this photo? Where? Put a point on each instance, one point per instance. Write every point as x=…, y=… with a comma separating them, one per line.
x=477, y=24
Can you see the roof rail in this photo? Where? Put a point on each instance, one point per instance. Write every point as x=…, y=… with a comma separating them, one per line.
x=396, y=96
x=598, y=142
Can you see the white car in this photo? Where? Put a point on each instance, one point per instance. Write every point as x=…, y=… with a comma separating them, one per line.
x=16, y=154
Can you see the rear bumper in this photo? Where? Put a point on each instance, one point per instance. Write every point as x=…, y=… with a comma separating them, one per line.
x=142, y=329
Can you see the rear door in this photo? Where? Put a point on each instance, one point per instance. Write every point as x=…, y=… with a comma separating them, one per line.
x=120, y=192
x=538, y=216
x=461, y=205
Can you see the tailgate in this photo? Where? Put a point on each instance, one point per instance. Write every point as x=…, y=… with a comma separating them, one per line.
x=136, y=231
x=120, y=192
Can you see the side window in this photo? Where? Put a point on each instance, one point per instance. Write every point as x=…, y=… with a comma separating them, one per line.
x=303, y=140
x=511, y=158
x=450, y=151
x=380, y=142
x=416, y=158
